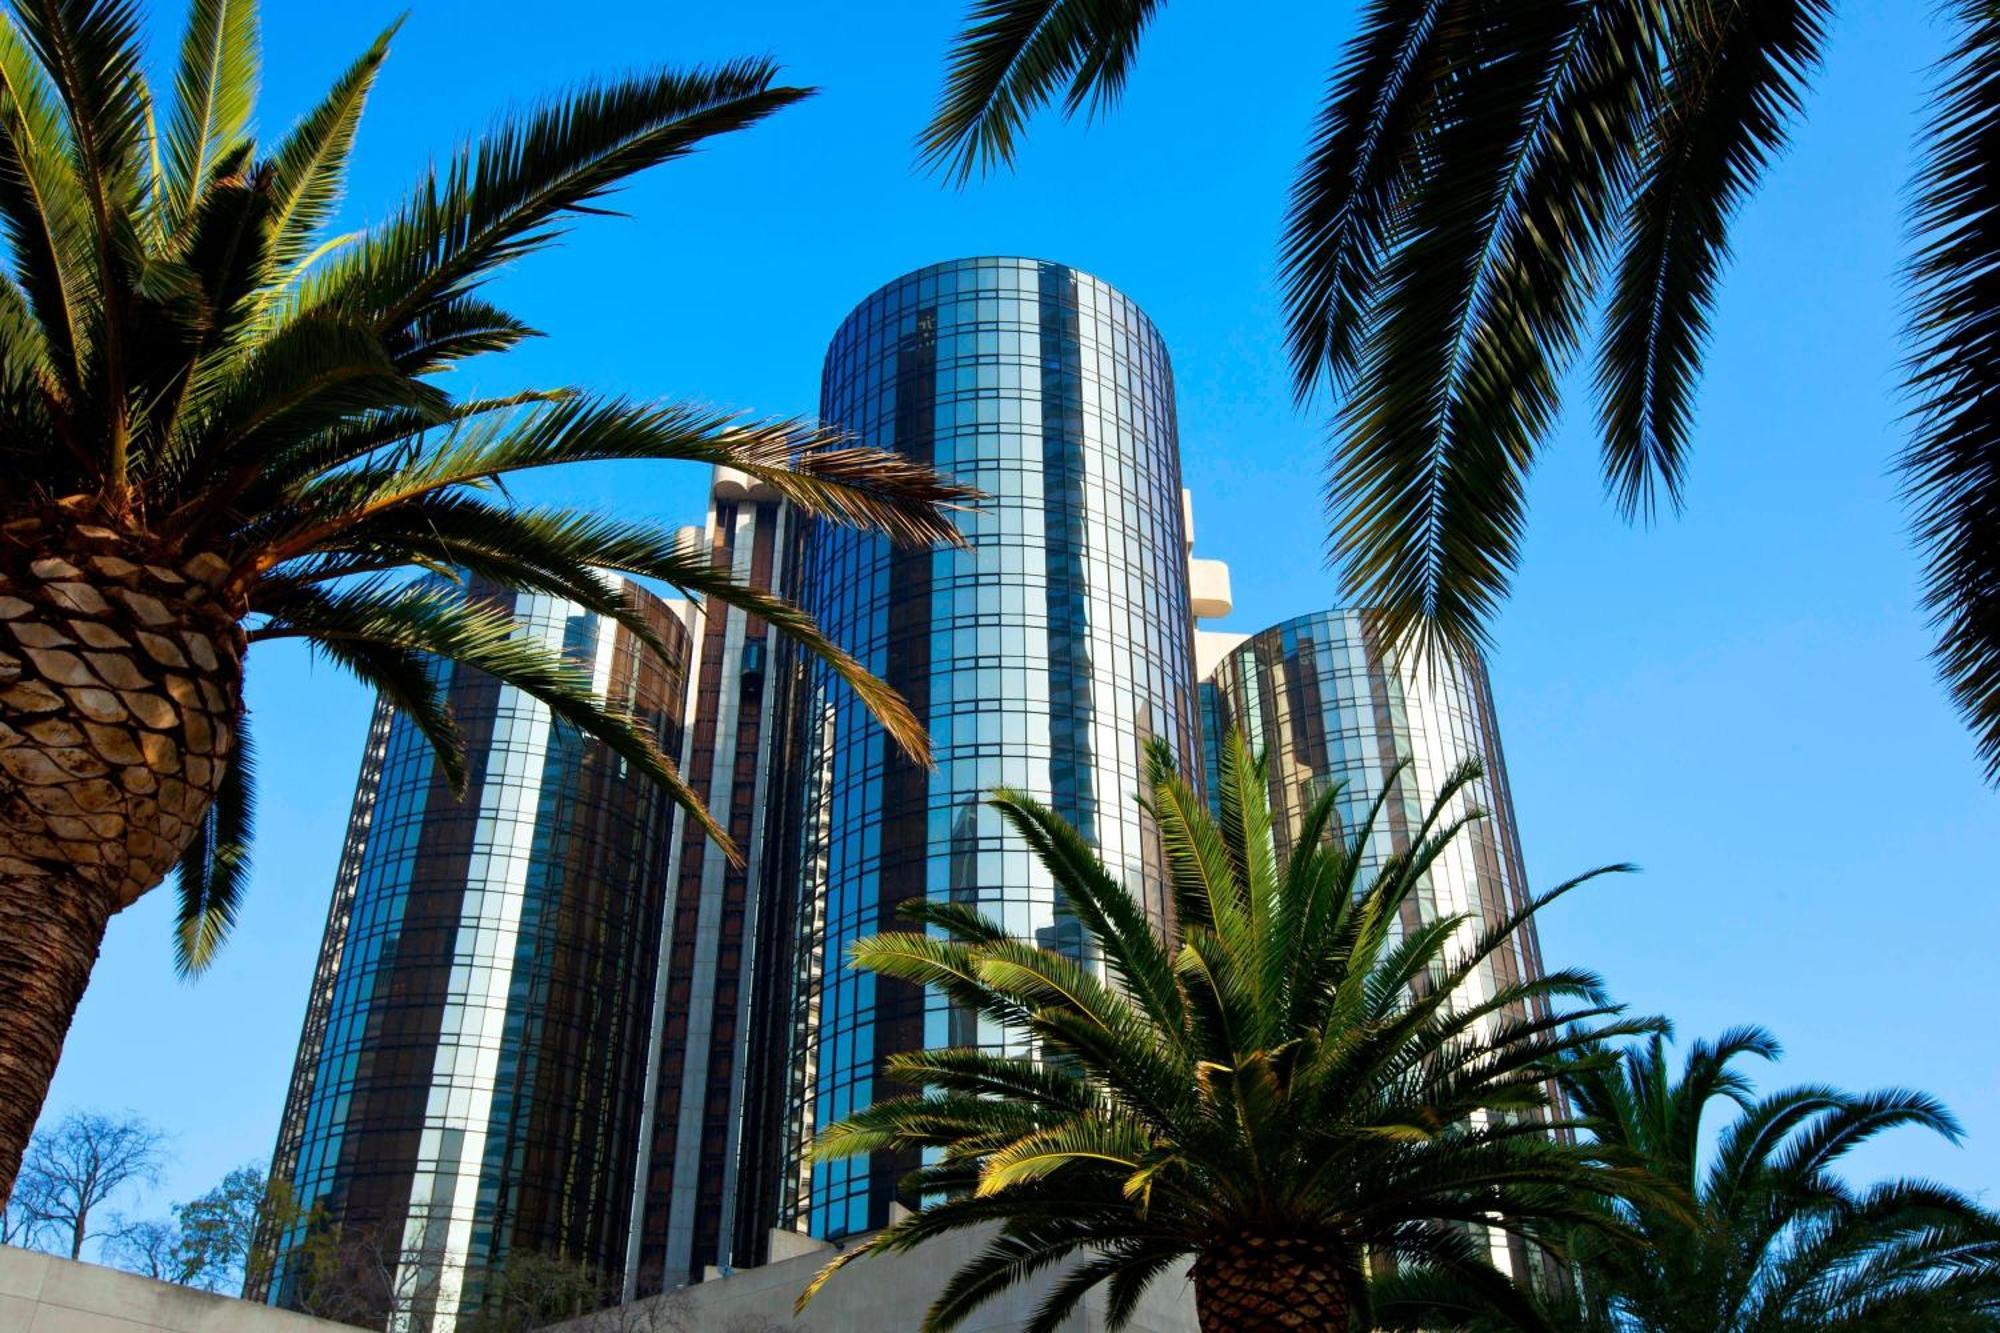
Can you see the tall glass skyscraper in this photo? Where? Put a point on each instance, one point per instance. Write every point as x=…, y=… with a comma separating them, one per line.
x=470, y=1079
x=1042, y=657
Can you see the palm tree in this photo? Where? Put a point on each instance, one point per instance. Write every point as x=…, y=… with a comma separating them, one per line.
x=1483, y=179
x=220, y=425
x=1292, y=1089
x=1776, y=1240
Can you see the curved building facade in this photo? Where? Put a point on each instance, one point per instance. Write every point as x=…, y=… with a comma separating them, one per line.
x=1322, y=700
x=471, y=1076
x=1043, y=656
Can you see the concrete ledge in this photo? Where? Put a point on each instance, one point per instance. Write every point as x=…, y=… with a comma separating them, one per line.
x=880, y=1294
x=40, y=1293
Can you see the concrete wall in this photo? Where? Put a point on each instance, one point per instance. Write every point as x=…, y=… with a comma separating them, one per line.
x=40, y=1293
x=880, y=1294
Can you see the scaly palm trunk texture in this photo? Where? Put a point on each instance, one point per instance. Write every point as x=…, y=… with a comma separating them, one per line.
x=1254, y=1283
x=121, y=677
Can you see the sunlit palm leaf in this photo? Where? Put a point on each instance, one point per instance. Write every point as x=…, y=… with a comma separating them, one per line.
x=43, y=207
x=311, y=163
x=215, y=89
x=510, y=193
x=1147, y=1125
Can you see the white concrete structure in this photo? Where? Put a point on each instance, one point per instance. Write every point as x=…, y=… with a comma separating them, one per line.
x=879, y=1294
x=40, y=1293
x=1210, y=599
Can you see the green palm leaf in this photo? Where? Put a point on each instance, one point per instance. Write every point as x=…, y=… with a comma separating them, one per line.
x=1758, y=1231
x=1481, y=184
x=1187, y=1094
x=311, y=162
x=509, y=194
x=1011, y=59
x=215, y=89
x=215, y=870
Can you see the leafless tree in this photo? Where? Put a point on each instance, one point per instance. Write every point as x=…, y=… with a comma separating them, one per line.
x=74, y=1166
x=150, y=1247
x=17, y=1222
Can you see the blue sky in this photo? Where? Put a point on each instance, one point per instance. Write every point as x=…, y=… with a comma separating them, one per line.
x=1737, y=700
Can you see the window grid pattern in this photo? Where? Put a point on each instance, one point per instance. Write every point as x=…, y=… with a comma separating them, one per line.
x=687, y=1185
x=1324, y=703
x=1042, y=657
x=470, y=1075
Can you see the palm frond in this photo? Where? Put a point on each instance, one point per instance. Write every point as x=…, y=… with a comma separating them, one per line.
x=444, y=624
x=90, y=52
x=315, y=374
x=1736, y=75
x=1475, y=313
x=1341, y=219
x=214, y=872
x=42, y=204
x=1132, y=946
x=1769, y=1236
x=509, y=194
x=215, y=90
x=1951, y=470
x=557, y=550
x=861, y=487
x=1010, y=60
x=311, y=163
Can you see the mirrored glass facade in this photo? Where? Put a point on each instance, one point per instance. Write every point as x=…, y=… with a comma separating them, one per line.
x=470, y=1079
x=698, y=1117
x=1042, y=657
x=1324, y=703
x=1320, y=698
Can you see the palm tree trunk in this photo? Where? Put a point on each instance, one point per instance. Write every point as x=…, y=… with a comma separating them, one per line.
x=121, y=681
x=49, y=934
x=1255, y=1283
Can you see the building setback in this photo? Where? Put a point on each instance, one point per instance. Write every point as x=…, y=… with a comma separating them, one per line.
x=469, y=1082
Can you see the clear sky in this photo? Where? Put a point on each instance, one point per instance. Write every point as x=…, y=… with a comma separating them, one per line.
x=1737, y=700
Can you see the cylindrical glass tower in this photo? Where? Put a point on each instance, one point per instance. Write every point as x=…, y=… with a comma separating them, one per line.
x=1043, y=657
x=471, y=1075
x=1323, y=701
